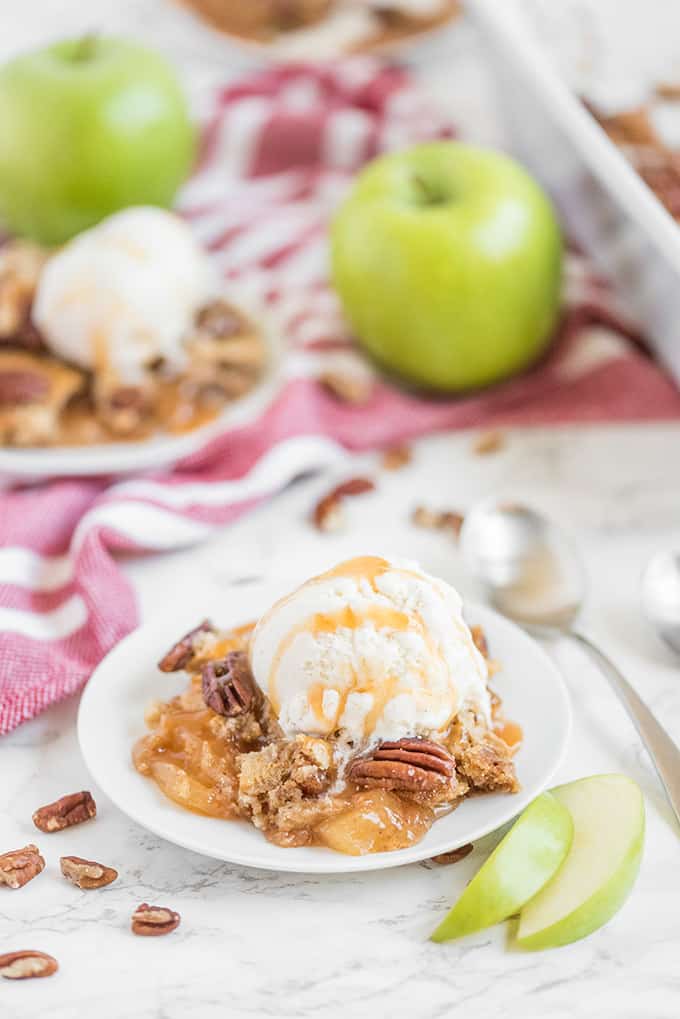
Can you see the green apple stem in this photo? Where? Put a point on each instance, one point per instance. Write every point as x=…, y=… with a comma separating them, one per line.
x=85, y=47
x=429, y=194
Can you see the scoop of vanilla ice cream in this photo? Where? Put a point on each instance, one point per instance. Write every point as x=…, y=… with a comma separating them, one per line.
x=124, y=293
x=378, y=650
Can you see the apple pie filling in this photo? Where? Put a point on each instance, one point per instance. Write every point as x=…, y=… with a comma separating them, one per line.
x=218, y=749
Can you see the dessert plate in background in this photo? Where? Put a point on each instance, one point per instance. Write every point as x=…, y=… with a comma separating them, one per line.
x=111, y=719
x=153, y=453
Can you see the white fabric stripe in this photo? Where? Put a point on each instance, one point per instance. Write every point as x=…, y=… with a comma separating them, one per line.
x=29, y=569
x=277, y=467
x=147, y=526
x=60, y=622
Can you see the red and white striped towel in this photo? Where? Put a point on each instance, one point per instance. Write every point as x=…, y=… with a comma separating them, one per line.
x=278, y=153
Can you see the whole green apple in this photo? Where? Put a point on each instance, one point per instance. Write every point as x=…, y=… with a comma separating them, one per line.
x=447, y=259
x=87, y=127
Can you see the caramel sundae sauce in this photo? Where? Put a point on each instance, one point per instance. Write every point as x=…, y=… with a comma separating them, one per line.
x=510, y=732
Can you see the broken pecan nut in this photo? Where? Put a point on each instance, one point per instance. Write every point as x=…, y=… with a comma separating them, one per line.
x=20, y=866
x=353, y=388
x=353, y=486
x=65, y=812
x=19, y=387
x=409, y=764
x=444, y=520
x=454, y=855
x=396, y=457
x=228, y=685
x=181, y=653
x=153, y=921
x=27, y=964
x=86, y=873
x=328, y=513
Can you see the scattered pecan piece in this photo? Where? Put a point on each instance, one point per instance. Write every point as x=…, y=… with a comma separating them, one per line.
x=354, y=486
x=454, y=855
x=438, y=520
x=396, y=457
x=328, y=514
x=18, y=387
x=27, y=964
x=228, y=685
x=479, y=639
x=353, y=388
x=65, y=812
x=669, y=90
x=153, y=921
x=86, y=873
x=20, y=866
x=409, y=764
x=181, y=653
x=489, y=442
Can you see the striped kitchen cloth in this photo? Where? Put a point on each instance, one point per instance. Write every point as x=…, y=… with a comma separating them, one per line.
x=279, y=151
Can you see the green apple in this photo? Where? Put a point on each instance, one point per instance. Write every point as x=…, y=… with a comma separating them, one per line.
x=447, y=259
x=609, y=832
x=519, y=866
x=87, y=127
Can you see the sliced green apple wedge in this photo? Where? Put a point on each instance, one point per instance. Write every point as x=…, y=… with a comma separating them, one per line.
x=609, y=830
x=519, y=866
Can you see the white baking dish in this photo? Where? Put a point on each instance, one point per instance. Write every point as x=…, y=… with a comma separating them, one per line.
x=606, y=207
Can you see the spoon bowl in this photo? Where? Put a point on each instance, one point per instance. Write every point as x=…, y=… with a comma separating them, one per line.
x=660, y=596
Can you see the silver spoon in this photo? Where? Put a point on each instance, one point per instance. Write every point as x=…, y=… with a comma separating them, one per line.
x=533, y=574
x=660, y=596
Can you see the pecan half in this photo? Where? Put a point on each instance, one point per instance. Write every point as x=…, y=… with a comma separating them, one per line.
x=18, y=387
x=65, y=812
x=153, y=921
x=27, y=964
x=20, y=866
x=408, y=764
x=86, y=873
x=181, y=653
x=228, y=685
x=454, y=855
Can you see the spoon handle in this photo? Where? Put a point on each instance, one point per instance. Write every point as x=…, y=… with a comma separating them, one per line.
x=665, y=754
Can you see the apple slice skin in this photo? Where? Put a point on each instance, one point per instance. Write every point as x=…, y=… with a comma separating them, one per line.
x=541, y=837
x=601, y=906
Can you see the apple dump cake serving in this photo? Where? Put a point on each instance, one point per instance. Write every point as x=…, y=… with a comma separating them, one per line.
x=120, y=334
x=322, y=28
x=352, y=715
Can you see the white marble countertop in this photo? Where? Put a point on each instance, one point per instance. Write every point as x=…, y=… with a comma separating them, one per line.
x=257, y=944
x=261, y=944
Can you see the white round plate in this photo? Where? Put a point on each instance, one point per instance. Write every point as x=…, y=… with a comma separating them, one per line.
x=147, y=454
x=111, y=720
